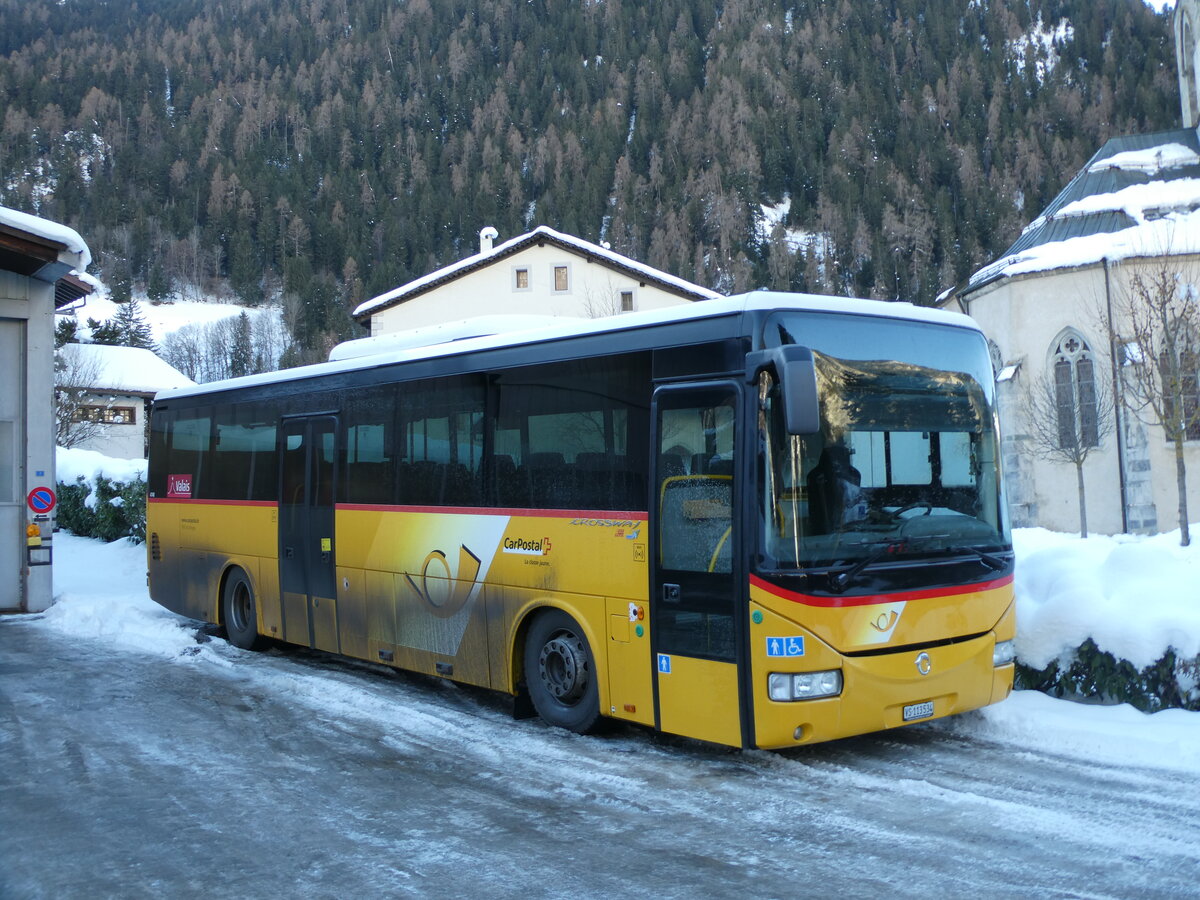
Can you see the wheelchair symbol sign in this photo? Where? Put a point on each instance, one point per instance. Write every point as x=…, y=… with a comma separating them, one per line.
x=785, y=646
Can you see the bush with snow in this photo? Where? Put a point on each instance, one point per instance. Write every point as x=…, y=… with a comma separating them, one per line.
x=101, y=497
x=1109, y=619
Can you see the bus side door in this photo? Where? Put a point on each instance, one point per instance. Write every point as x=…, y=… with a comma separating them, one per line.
x=696, y=570
x=307, y=576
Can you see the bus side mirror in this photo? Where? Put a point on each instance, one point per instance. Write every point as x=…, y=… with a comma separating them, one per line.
x=798, y=380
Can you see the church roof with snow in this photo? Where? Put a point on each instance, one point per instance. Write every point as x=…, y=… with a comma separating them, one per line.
x=1138, y=196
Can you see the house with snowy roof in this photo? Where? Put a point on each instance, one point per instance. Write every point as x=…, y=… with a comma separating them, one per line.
x=1132, y=214
x=542, y=273
x=117, y=387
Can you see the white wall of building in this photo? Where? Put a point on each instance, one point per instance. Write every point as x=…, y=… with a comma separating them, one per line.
x=120, y=440
x=1024, y=316
x=593, y=290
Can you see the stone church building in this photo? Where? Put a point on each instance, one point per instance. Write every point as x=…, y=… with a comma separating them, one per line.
x=1132, y=212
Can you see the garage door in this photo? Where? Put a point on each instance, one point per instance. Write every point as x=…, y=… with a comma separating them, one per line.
x=12, y=459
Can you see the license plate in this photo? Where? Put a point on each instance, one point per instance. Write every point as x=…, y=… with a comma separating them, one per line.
x=918, y=711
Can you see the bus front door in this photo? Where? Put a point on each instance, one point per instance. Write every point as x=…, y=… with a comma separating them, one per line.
x=307, y=577
x=696, y=556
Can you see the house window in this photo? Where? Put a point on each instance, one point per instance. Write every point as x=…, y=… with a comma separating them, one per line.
x=562, y=282
x=1075, y=393
x=106, y=415
x=521, y=278
x=626, y=301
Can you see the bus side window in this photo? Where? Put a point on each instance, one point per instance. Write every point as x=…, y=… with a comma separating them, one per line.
x=160, y=445
x=369, y=447
x=441, y=442
x=191, y=438
x=573, y=435
x=244, y=460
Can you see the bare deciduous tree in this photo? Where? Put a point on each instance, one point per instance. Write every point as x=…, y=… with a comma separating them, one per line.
x=75, y=376
x=1066, y=420
x=212, y=351
x=1155, y=325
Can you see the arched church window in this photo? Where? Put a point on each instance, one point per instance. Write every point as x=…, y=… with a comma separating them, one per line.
x=1075, y=392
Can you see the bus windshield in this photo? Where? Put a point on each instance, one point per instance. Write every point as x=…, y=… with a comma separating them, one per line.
x=905, y=466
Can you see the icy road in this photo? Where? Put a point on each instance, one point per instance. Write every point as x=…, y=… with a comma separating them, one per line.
x=194, y=769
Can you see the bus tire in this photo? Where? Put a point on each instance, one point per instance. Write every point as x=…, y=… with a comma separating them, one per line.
x=560, y=673
x=240, y=612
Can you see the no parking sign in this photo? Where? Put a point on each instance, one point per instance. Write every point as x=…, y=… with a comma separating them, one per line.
x=41, y=500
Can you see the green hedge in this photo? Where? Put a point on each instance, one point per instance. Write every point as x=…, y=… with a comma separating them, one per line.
x=119, y=509
x=1089, y=673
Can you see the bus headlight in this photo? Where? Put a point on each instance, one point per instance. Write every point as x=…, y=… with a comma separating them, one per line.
x=1004, y=653
x=787, y=686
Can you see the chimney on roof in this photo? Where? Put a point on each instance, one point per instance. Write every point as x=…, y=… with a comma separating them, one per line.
x=486, y=237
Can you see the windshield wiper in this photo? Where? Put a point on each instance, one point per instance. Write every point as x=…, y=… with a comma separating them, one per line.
x=841, y=579
x=995, y=563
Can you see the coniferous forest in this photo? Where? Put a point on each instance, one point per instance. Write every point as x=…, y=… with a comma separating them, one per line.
x=328, y=150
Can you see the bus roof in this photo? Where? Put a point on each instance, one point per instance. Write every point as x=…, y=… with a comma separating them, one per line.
x=350, y=359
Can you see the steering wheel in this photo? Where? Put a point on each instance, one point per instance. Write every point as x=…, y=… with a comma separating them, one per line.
x=928, y=507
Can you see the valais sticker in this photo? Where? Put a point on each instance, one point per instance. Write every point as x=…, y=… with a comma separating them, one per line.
x=179, y=486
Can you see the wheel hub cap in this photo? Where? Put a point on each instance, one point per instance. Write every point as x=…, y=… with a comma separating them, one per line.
x=562, y=665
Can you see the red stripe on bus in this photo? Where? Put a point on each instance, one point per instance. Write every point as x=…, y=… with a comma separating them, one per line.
x=871, y=599
x=607, y=515
x=197, y=500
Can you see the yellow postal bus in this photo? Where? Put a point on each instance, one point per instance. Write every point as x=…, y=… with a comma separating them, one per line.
x=761, y=521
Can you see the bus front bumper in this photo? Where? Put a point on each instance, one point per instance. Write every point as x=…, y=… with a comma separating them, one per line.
x=887, y=690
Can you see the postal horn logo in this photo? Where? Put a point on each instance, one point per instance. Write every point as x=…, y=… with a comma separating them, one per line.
x=885, y=621
x=444, y=593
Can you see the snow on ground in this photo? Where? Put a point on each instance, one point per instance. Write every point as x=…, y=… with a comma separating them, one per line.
x=1116, y=735
x=166, y=318
x=117, y=609
x=1041, y=45
x=818, y=243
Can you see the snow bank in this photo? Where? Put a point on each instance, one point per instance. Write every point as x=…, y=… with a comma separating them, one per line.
x=116, y=606
x=87, y=464
x=1134, y=596
x=1112, y=735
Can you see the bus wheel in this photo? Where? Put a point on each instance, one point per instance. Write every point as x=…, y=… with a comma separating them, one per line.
x=560, y=673
x=241, y=617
